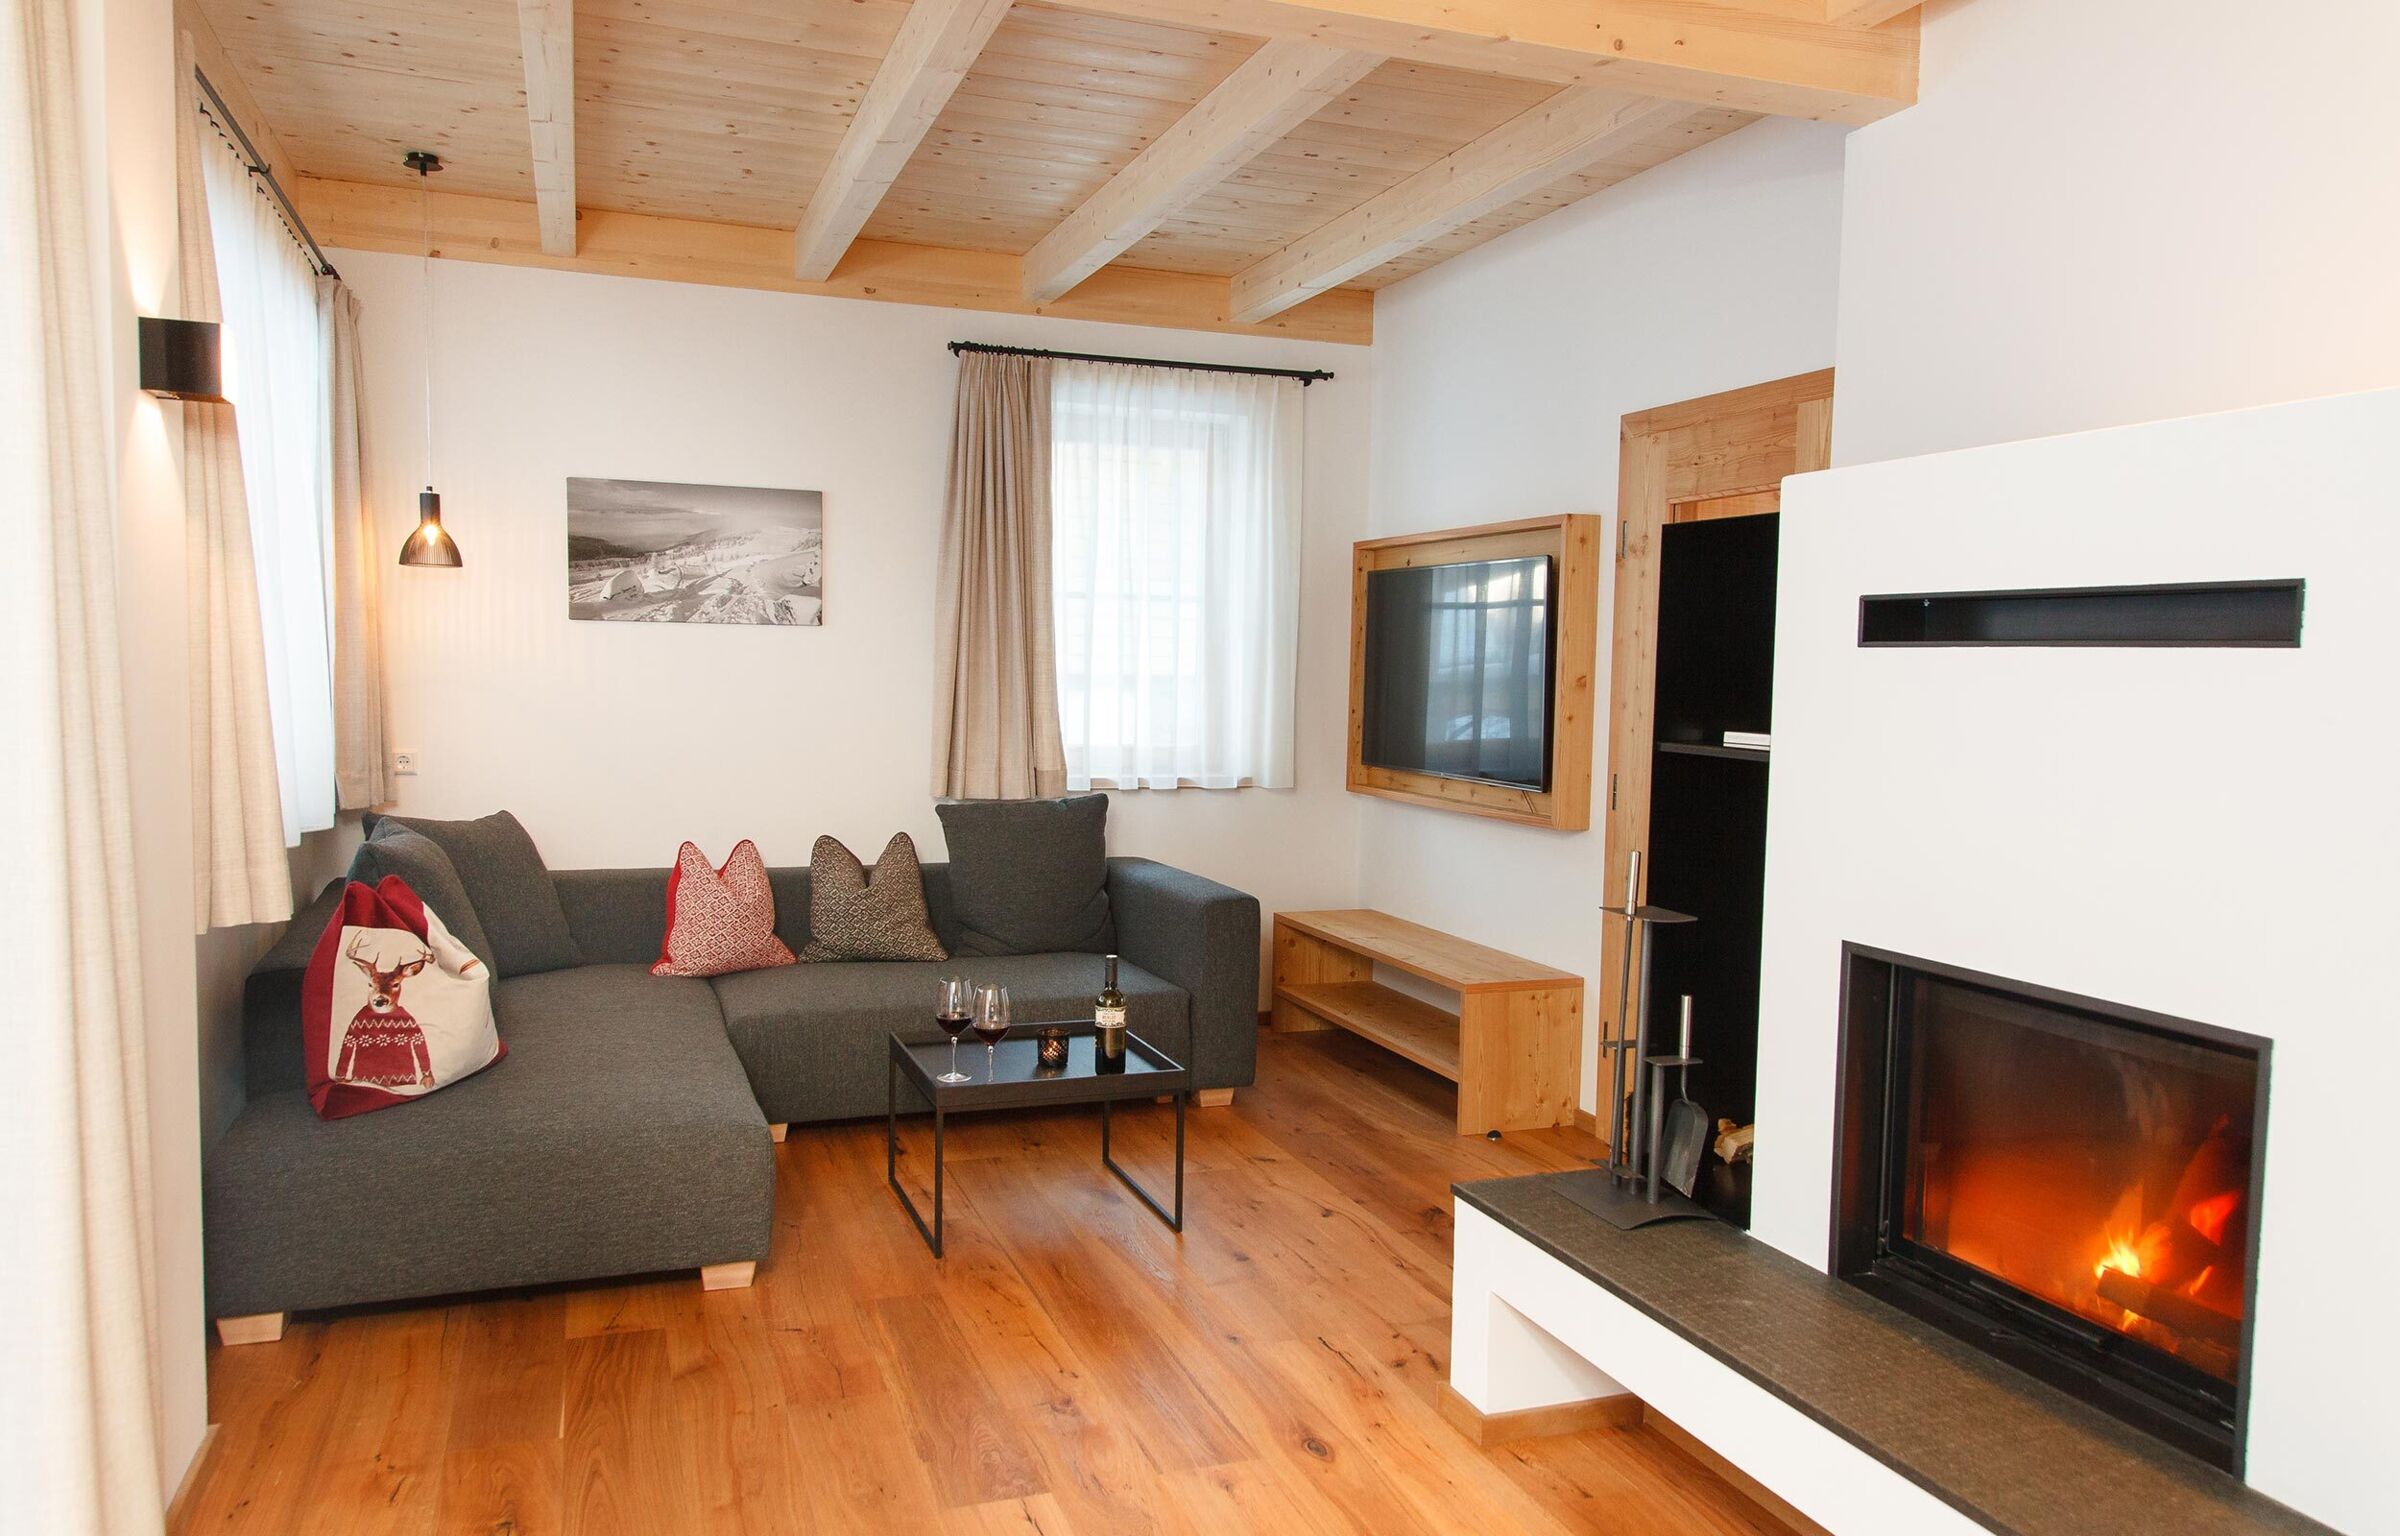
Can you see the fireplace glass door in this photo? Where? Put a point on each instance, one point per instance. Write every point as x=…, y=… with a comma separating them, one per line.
x=2079, y=1180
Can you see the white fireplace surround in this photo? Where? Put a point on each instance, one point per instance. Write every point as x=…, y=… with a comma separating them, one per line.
x=2205, y=833
x=2212, y=834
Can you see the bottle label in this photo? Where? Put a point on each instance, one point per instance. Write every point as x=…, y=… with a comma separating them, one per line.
x=1109, y=1018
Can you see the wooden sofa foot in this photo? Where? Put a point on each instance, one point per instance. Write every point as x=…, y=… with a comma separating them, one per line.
x=778, y=1131
x=257, y=1328
x=728, y=1277
x=1212, y=1098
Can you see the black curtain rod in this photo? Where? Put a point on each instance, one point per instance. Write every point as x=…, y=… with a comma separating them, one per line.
x=1306, y=376
x=260, y=169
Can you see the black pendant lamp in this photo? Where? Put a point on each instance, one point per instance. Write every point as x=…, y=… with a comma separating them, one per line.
x=431, y=544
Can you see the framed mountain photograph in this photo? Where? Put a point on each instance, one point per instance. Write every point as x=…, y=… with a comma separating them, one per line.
x=657, y=552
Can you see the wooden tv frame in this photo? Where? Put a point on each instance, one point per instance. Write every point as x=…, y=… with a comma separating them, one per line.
x=1573, y=542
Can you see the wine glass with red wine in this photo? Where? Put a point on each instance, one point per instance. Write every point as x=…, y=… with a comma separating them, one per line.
x=991, y=1026
x=954, y=1010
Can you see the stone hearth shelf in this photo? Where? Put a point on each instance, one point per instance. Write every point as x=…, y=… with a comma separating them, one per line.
x=2008, y=1451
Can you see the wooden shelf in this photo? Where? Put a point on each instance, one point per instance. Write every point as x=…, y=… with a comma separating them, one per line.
x=1441, y=958
x=1706, y=749
x=1401, y=1024
x=2221, y=613
x=1514, y=1047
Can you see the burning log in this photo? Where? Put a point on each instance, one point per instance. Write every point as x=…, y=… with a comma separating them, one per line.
x=2170, y=1309
x=2200, y=1246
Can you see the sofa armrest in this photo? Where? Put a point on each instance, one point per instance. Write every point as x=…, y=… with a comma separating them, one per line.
x=271, y=1056
x=1203, y=937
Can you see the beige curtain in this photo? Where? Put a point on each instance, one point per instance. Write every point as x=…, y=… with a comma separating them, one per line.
x=357, y=612
x=995, y=721
x=239, y=868
x=78, y=1443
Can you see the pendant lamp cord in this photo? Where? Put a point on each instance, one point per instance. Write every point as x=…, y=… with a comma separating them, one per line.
x=425, y=206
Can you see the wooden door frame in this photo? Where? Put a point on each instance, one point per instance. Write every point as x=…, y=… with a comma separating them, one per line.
x=1720, y=455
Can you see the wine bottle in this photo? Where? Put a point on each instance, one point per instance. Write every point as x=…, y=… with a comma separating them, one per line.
x=1108, y=1022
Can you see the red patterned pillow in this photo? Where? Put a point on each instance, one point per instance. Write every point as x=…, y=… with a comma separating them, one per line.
x=720, y=920
x=392, y=1007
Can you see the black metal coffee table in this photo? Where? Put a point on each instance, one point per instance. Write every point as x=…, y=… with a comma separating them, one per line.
x=1016, y=1079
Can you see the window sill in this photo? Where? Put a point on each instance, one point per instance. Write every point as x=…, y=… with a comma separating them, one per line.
x=1112, y=786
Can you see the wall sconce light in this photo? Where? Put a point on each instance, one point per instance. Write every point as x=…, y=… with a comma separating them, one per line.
x=180, y=360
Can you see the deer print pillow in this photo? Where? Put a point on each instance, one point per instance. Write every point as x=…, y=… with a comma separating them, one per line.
x=393, y=1006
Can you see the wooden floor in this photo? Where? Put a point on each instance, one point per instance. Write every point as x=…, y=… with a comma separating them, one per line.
x=1071, y=1367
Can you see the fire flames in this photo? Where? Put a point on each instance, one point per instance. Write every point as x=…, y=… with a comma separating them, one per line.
x=2149, y=1254
x=2124, y=1255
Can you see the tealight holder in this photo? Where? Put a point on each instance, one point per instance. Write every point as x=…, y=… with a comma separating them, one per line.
x=1050, y=1046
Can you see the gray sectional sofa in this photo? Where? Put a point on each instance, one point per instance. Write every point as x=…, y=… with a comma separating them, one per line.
x=627, y=1130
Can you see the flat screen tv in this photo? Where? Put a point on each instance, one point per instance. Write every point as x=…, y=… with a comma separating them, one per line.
x=1459, y=662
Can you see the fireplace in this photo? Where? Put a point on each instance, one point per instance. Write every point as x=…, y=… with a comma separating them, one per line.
x=2069, y=1184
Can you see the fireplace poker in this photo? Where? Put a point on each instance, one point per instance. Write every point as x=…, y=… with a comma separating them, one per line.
x=1618, y=1164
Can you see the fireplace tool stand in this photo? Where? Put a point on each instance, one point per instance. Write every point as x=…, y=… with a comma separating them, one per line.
x=1628, y=1190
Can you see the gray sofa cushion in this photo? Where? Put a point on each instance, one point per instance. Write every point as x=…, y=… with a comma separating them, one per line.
x=510, y=886
x=812, y=1037
x=419, y=861
x=619, y=916
x=619, y=1136
x=1029, y=877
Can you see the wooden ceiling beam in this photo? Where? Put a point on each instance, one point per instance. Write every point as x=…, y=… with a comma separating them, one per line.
x=1575, y=129
x=1867, y=13
x=363, y=217
x=546, y=29
x=1765, y=59
x=1275, y=90
x=937, y=44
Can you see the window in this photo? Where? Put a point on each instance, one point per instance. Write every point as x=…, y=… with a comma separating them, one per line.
x=1175, y=554
x=275, y=375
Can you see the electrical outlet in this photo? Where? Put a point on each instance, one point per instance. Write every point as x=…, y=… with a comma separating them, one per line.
x=404, y=763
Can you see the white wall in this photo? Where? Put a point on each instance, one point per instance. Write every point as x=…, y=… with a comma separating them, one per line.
x=2203, y=833
x=2107, y=213
x=613, y=742
x=1502, y=376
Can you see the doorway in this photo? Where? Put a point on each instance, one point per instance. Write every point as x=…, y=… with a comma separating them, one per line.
x=1691, y=659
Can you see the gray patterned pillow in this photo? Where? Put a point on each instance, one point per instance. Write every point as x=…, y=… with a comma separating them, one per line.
x=859, y=914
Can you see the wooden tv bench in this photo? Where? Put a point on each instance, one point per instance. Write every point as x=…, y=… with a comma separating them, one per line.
x=1514, y=1047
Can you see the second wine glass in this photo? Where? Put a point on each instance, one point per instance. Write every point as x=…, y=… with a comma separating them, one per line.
x=991, y=1026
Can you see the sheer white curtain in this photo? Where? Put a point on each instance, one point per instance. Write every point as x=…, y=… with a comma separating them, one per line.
x=1175, y=555
x=78, y=1306
x=275, y=374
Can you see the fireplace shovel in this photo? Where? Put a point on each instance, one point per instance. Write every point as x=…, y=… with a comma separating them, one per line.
x=1687, y=1123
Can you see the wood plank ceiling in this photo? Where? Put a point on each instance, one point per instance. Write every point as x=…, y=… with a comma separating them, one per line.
x=700, y=132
